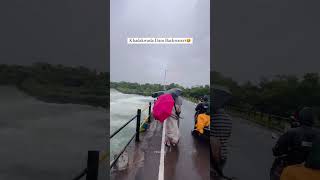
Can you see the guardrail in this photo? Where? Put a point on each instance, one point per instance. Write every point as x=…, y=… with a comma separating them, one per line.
x=94, y=159
x=92, y=169
x=274, y=122
x=136, y=135
x=271, y=121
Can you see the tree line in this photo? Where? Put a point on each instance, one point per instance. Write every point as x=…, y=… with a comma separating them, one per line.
x=58, y=83
x=193, y=93
x=280, y=95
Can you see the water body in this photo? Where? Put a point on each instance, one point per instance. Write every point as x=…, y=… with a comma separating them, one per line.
x=46, y=140
x=122, y=108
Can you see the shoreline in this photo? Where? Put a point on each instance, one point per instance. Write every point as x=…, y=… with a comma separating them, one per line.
x=48, y=97
x=57, y=83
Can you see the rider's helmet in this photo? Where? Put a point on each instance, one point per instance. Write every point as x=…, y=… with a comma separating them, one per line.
x=306, y=116
x=205, y=98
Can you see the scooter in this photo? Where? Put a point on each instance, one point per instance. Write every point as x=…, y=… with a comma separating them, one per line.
x=206, y=130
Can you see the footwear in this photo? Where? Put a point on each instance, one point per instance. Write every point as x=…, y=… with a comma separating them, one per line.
x=167, y=144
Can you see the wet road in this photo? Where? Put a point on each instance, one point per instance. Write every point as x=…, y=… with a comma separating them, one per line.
x=188, y=161
x=143, y=157
x=250, y=156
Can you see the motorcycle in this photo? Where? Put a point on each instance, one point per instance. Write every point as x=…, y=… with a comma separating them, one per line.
x=206, y=130
x=280, y=162
x=277, y=167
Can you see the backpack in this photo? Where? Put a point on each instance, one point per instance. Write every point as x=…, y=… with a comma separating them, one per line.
x=162, y=108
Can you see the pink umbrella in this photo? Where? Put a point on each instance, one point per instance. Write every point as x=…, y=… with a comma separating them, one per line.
x=163, y=107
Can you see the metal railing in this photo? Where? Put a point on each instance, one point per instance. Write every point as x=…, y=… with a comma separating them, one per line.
x=94, y=159
x=274, y=122
x=136, y=135
x=92, y=170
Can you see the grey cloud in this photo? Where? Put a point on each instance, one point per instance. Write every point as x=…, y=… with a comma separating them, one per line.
x=67, y=32
x=254, y=38
x=187, y=65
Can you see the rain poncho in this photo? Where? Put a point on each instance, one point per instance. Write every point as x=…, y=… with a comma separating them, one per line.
x=300, y=172
x=203, y=120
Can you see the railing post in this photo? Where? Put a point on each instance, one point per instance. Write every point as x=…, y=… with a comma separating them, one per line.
x=149, y=117
x=92, y=165
x=138, y=125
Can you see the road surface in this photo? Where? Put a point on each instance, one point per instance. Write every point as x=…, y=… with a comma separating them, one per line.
x=189, y=161
x=250, y=156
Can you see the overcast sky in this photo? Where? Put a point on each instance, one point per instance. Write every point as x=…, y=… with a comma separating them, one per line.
x=254, y=38
x=65, y=32
x=187, y=65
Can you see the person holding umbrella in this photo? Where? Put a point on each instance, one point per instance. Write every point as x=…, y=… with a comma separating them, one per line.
x=167, y=109
x=172, y=135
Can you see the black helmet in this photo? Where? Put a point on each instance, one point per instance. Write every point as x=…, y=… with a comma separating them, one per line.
x=205, y=98
x=307, y=116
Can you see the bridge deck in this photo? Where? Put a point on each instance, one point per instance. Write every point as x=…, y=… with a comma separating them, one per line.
x=188, y=161
x=191, y=160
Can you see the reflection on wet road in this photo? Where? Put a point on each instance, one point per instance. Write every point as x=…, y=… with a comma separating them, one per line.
x=191, y=159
